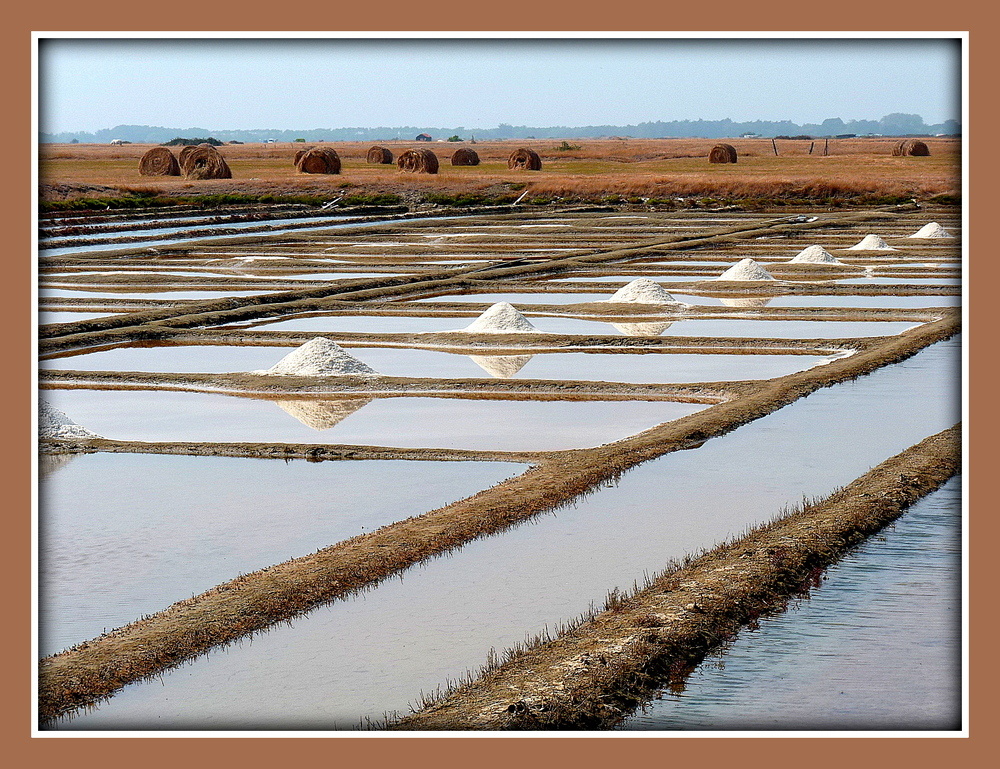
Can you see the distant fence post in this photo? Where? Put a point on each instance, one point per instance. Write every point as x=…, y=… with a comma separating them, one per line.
x=773, y=144
x=811, y=145
x=826, y=148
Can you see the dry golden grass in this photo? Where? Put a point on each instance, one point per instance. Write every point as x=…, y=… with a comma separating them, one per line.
x=657, y=168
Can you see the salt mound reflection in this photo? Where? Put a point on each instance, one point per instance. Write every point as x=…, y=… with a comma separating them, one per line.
x=642, y=329
x=501, y=366
x=748, y=301
x=322, y=415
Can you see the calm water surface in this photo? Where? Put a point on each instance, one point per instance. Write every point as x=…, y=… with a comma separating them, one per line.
x=877, y=646
x=375, y=652
x=123, y=535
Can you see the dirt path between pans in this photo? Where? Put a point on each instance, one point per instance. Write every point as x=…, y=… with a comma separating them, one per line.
x=596, y=674
x=96, y=669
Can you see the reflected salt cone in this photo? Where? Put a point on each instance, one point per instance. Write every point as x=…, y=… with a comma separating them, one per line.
x=50, y=463
x=322, y=415
x=748, y=301
x=501, y=366
x=642, y=329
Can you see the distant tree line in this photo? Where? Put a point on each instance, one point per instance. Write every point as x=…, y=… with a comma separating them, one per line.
x=179, y=141
x=896, y=124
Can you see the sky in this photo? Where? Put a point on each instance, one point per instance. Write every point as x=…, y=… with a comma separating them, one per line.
x=228, y=84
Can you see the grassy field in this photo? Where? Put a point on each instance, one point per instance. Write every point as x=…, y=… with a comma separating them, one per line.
x=594, y=170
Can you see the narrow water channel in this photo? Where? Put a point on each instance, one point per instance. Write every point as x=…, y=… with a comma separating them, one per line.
x=374, y=653
x=877, y=646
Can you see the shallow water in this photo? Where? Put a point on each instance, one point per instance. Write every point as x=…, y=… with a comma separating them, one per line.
x=877, y=646
x=375, y=652
x=516, y=299
x=69, y=317
x=410, y=362
x=787, y=329
x=461, y=423
x=179, y=295
x=122, y=535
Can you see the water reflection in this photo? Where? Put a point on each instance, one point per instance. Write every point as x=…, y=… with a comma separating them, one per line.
x=749, y=301
x=642, y=329
x=501, y=366
x=322, y=415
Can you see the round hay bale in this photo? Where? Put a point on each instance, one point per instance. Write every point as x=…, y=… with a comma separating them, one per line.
x=299, y=154
x=204, y=162
x=525, y=159
x=418, y=162
x=318, y=160
x=159, y=161
x=465, y=157
x=379, y=155
x=187, y=149
x=913, y=147
x=722, y=153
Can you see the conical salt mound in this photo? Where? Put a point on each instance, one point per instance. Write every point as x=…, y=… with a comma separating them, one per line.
x=642, y=329
x=501, y=318
x=318, y=357
x=642, y=291
x=55, y=425
x=932, y=230
x=501, y=366
x=813, y=255
x=746, y=269
x=872, y=243
x=322, y=415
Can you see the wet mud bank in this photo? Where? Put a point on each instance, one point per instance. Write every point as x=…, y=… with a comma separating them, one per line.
x=96, y=669
x=596, y=674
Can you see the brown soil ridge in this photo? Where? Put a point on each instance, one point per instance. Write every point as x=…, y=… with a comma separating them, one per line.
x=596, y=674
x=98, y=668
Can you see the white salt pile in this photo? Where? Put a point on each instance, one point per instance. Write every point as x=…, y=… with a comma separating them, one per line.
x=501, y=318
x=642, y=329
x=932, y=230
x=322, y=415
x=814, y=255
x=318, y=357
x=501, y=366
x=872, y=243
x=54, y=424
x=746, y=269
x=643, y=291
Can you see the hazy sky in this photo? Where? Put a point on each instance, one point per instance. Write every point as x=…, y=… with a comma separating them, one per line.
x=88, y=84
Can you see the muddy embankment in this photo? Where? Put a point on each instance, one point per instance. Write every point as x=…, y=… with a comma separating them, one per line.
x=597, y=673
x=249, y=603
